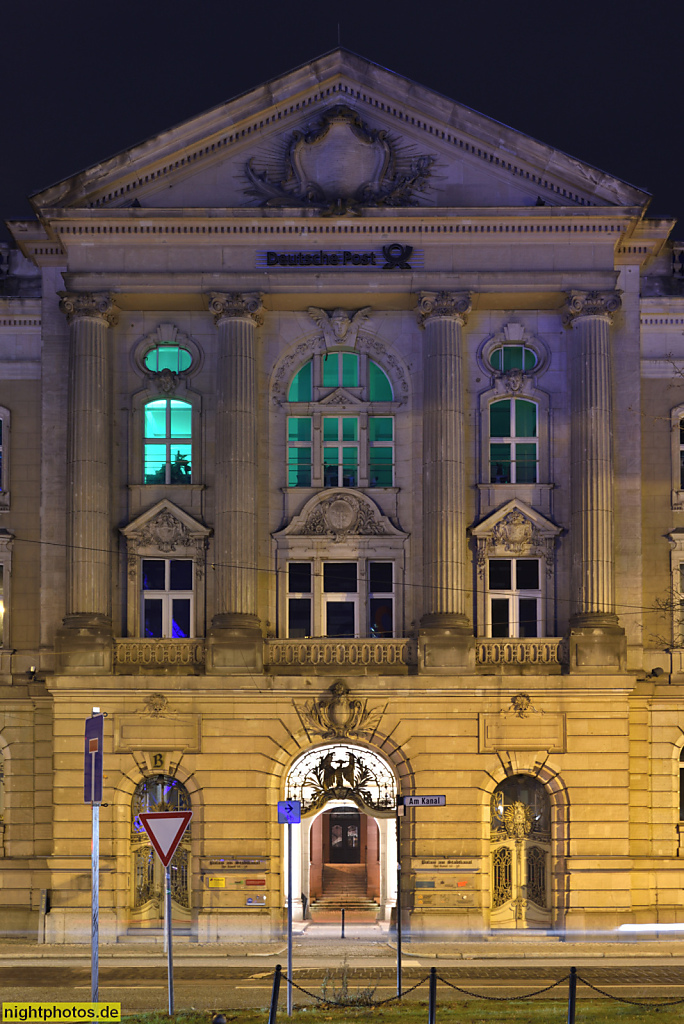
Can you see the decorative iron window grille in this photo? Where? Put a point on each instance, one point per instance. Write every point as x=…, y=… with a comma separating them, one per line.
x=342, y=772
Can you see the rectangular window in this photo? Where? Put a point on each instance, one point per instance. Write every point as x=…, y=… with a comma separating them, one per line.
x=340, y=460
x=380, y=451
x=340, y=599
x=513, y=450
x=299, y=599
x=341, y=369
x=299, y=451
x=514, y=597
x=168, y=598
x=168, y=442
x=381, y=599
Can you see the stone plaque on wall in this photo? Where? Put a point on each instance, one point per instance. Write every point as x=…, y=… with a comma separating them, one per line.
x=534, y=732
x=172, y=732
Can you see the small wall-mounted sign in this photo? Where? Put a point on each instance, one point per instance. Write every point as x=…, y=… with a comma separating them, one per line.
x=216, y=883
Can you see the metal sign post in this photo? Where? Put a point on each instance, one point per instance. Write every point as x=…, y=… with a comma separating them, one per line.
x=400, y=814
x=165, y=830
x=402, y=803
x=289, y=813
x=92, y=794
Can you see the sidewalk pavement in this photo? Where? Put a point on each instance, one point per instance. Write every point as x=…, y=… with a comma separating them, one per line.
x=322, y=943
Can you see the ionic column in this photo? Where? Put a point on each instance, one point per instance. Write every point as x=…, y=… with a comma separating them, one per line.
x=88, y=597
x=442, y=316
x=590, y=316
x=237, y=317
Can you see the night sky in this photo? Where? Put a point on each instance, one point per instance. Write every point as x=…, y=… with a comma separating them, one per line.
x=603, y=81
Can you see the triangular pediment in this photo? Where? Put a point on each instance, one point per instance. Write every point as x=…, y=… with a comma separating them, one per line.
x=340, y=396
x=514, y=528
x=165, y=529
x=339, y=132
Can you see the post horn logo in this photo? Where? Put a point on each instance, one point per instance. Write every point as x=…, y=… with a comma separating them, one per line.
x=397, y=256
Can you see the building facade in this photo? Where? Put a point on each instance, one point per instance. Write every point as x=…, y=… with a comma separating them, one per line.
x=341, y=462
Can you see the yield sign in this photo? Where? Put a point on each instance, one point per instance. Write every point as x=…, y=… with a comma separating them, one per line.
x=165, y=830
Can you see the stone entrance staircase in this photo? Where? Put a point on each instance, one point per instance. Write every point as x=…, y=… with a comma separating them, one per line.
x=344, y=886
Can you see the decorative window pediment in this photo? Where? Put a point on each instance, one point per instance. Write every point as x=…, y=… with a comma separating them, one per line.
x=515, y=530
x=515, y=596
x=165, y=537
x=340, y=516
x=340, y=396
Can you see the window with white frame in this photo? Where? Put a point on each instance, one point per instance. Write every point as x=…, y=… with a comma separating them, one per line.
x=167, y=597
x=340, y=598
x=168, y=441
x=328, y=448
x=514, y=597
x=513, y=451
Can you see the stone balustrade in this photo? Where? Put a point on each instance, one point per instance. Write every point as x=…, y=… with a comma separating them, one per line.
x=135, y=654
x=541, y=651
x=387, y=655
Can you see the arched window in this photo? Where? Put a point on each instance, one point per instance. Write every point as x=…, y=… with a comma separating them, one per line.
x=513, y=455
x=168, y=441
x=520, y=834
x=345, y=440
x=158, y=793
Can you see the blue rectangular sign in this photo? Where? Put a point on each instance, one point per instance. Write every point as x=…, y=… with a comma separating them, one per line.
x=289, y=812
x=92, y=765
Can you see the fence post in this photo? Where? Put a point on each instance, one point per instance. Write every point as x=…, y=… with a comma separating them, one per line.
x=432, y=1004
x=274, y=995
x=342, y=935
x=572, y=995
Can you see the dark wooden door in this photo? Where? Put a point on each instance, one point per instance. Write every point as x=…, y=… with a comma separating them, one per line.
x=345, y=838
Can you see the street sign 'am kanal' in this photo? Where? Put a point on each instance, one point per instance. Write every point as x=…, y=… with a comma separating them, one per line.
x=423, y=801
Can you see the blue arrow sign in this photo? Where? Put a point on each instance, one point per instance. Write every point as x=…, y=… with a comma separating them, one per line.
x=92, y=765
x=289, y=812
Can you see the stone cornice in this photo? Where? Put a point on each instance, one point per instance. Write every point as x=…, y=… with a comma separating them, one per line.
x=441, y=305
x=595, y=304
x=90, y=305
x=236, y=306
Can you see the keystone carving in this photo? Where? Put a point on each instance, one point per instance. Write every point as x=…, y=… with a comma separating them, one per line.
x=95, y=306
x=437, y=305
x=338, y=325
x=236, y=306
x=337, y=715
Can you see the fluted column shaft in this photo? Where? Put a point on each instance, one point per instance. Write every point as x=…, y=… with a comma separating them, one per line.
x=88, y=598
x=592, y=519
x=442, y=316
x=237, y=317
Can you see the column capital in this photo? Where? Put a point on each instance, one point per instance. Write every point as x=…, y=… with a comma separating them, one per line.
x=584, y=304
x=88, y=305
x=443, y=305
x=236, y=306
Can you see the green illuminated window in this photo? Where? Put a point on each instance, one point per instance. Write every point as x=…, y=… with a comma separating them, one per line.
x=340, y=460
x=299, y=451
x=300, y=388
x=380, y=451
x=168, y=357
x=513, y=357
x=513, y=441
x=379, y=387
x=168, y=442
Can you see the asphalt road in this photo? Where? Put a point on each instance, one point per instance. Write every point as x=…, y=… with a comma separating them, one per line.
x=217, y=985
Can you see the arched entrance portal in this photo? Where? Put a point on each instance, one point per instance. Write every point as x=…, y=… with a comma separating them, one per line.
x=158, y=793
x=521, y=854
x=345, y=853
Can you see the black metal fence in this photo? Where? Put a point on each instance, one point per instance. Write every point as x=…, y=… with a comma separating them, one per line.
x=572, y=979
